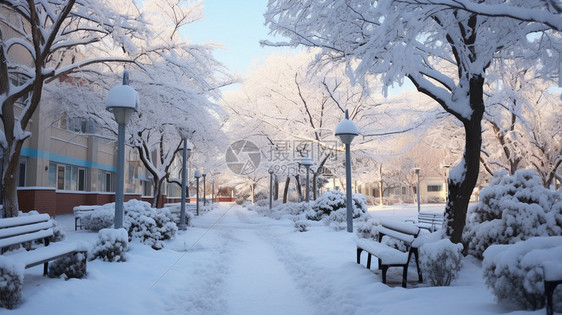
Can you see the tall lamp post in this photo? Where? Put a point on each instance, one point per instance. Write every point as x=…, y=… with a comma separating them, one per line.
x=122, y=101
x=346, y=130
x=187, y=147
x=417, y=170
x=204, y=189
x=197, y=176
x=270, y=171
x=307, y=163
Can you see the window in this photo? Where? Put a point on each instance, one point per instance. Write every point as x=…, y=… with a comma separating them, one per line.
x=22, y=172
x=19, y=79
x=397, y=191
x=434, y=187
x=403, y=190
x=67, y=177
x=76, y=124
x=81, y=179
x=107, y=182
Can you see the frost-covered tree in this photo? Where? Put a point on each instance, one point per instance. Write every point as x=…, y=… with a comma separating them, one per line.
x=42, y=41
x=522, y=122
x=443, y=47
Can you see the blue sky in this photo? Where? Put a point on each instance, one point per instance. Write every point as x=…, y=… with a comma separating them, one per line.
x=238, y=25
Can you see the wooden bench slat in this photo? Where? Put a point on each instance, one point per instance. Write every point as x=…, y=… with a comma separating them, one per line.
x=43, y=254
x=408, y=238
x=401, y=226
x=23, y=229
x=387, y=255
x=5, y=242
x=23, y=220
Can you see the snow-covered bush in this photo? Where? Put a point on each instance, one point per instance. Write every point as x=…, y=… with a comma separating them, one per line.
x=301, y=224
x=332, y=201
x=365, y=227
x=515, y=272
x=101, y=218
x=11, y=283
x=440, y=262
x=149, y=225
x=111, y=245
x=511, y=209
x=69, y=266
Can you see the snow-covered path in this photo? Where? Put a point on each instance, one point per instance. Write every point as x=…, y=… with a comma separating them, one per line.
x=258, y=282
x=234, y=261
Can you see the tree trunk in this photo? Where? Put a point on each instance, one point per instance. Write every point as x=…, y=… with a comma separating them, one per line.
x=460, y=189
x=298, y=187
x=275, y=188
x=286, y=189
x=10, y=207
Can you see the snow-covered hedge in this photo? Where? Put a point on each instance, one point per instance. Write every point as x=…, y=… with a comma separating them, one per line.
x=327, y=206
x=511, y=209
x=11, y=283
x=69, y=266
x=112, y=244
x=440, y=262
x=149, y=225
x=515, y=272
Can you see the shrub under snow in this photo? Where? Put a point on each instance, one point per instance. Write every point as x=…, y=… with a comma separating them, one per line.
x=149, y=225
x=111, y=245
x=515, y=272
x=11, y=283
x=332, y=201
x=69, y=266
x=440, y=261
x=511, y=209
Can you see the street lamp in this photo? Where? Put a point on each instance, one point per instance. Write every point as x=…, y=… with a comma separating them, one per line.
x=122, y=101
x=417, y=170
x=187, y=147
x=307, y=163
x=197, y=176
x=204, y=189
x=346, y=130
x=270, y=171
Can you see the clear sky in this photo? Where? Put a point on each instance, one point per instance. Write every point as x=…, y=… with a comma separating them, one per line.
x=239, y=26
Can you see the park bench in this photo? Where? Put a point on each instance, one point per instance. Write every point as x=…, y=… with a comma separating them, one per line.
x=175, y=209
x=552, y=278
x=390, y=256
x=28, y=228
x=429, y=220
x=80, y=212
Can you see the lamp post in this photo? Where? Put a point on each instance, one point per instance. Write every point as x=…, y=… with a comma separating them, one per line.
x=346, y=130
x=270, y=171
x=197, y=176
x=307, y=163
x=187, y=147
x=122, y=101
x=417, y=170
x=204, y=189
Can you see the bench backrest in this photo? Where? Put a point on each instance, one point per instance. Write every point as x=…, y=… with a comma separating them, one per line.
x=23, y=229
x=400, y=230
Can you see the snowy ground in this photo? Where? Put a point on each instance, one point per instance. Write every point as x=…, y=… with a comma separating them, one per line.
x=233, y=261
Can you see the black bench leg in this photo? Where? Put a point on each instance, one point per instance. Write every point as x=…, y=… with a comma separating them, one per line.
x=359, y=250
x=549, y=287
x=416, y=256
x=384, y=269
x=369, y=261
x=405, y=276
x=45, y=268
